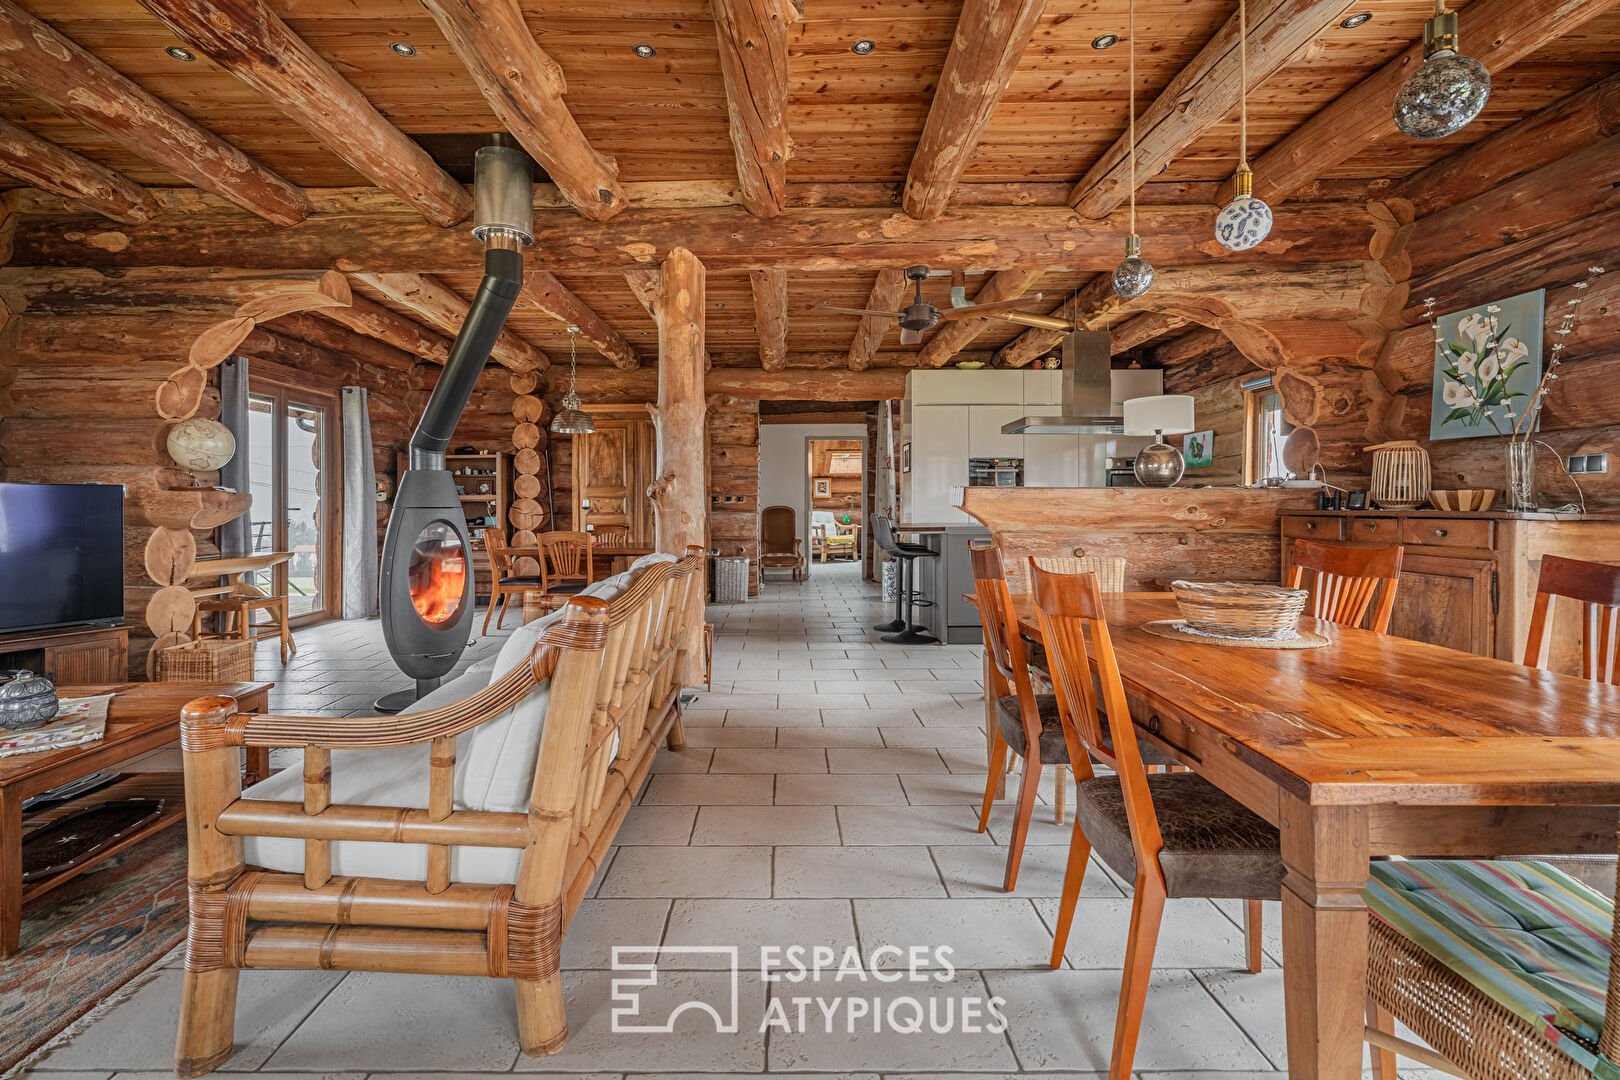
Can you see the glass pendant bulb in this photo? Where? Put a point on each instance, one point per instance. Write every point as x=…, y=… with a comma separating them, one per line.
x=1134, y=276
x=1444, y=95
x=571, y=419
x=1246, y=220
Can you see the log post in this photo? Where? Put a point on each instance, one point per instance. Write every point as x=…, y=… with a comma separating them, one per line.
x=679, y=492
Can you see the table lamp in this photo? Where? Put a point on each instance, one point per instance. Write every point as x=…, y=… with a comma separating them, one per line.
x=1160, y=465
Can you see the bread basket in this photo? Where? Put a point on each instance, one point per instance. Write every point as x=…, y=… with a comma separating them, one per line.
x=1239, y=609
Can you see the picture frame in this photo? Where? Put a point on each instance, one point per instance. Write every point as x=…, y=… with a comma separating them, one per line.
x=822, y=488
x=1487, y=363
x=905, y=457
x=1198, y=449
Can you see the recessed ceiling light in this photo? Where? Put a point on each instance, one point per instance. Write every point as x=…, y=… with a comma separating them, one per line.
x=1360, y=18
x=181, y=54
x=645, y=51
x=1105, y=41
x=401, y=48
x=864, y=47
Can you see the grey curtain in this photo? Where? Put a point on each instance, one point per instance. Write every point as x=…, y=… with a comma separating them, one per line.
x=359, y=508
x=235, y=537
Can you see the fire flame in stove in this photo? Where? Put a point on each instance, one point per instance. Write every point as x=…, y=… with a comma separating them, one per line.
x=438, y=573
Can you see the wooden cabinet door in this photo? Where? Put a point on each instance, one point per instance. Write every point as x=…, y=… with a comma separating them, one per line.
x=612, y=468
x=1449, y=602
x=102, y=658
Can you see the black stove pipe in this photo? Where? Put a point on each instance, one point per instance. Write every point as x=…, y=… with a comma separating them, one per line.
x=503, y=279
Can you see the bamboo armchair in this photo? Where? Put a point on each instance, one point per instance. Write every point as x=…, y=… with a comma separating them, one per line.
x=614, y=670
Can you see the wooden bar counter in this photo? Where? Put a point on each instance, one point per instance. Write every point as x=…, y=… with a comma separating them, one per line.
x=1225, y=533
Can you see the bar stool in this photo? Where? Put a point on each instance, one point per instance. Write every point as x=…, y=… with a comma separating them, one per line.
x=904, y=628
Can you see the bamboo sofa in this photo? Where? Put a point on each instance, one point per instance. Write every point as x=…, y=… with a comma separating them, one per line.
x=454, y=839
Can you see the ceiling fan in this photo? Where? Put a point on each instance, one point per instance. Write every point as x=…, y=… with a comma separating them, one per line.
x=920, y=315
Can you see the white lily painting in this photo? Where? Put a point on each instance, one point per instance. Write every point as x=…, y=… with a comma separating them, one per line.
x=1487, y=363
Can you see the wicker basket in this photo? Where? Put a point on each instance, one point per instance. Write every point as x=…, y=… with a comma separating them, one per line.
x=215, y=660
x=1239, y=609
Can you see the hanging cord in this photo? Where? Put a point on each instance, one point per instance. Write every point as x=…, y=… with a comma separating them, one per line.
x=1243, y=85
x=1132, y=32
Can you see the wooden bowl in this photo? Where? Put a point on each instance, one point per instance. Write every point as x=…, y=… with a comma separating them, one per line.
x=1239, y=609
x=1465, y=499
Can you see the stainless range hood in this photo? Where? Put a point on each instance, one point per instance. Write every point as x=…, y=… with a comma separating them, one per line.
x=1087, y=401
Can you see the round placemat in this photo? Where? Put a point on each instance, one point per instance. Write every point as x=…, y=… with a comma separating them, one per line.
x=1177, y=630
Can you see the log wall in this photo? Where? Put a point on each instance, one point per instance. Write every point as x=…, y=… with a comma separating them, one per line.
x=734, y=480
x=1207, y=366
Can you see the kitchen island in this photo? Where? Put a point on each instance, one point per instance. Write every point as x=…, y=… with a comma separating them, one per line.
x=944, y=580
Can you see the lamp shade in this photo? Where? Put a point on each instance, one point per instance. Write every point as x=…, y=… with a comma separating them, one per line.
x=1169, y=414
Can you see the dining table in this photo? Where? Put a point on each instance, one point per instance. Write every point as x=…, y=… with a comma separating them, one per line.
x=603, y=556
x=1370, y=746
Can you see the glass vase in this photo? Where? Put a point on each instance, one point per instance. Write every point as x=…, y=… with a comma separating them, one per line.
x=1521, y=475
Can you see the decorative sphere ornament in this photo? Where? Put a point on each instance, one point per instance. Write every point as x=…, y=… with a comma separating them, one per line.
x=1444, y=95
x=1245, y=221
x=201, y=445
x=1159, y=465
x=1134, y=276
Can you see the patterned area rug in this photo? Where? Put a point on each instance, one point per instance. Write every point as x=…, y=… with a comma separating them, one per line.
x=83, y=941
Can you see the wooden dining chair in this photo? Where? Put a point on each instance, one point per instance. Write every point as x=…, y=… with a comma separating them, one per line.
x=1173, y=834
x=504, y=581
x=565, y=563
x=1434, y=993
x=1344, y=581
x=610, y=538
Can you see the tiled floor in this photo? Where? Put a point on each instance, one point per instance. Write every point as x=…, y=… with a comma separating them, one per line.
x=826, y=799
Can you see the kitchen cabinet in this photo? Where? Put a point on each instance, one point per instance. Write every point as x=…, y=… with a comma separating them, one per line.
x=984, y=437
x=1468, y=581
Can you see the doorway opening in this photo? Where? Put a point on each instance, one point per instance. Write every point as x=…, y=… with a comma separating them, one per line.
x=837, y=499
x=295, y=476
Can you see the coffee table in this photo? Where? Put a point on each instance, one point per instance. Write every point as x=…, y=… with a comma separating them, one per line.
x=141, y=718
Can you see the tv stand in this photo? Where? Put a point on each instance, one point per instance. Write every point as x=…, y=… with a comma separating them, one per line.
x=71, y=655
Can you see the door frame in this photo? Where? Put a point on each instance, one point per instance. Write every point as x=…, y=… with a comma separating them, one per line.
x=284, y=387
x=809, y=493
x=645, y=456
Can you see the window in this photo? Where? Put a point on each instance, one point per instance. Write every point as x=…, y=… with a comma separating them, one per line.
x=1265, y=431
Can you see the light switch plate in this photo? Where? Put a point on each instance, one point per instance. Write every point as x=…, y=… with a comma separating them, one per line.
x=1597, y=463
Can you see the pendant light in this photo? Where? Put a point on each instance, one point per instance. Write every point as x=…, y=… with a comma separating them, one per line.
x=572, y=420
x=1134, y=276
x=1246, y=220
x=1444, y=95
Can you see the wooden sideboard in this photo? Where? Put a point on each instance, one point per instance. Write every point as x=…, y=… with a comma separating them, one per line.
x=72, y=655
x=1468, y=580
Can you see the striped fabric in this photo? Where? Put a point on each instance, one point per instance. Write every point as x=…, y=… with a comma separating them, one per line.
x=1525, y=934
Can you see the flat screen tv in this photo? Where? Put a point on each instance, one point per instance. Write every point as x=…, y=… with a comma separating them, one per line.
x=61, y=555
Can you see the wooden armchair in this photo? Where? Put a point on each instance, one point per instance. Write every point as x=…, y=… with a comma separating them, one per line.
x=608, y=673
x=504, y=580
x=780, y=546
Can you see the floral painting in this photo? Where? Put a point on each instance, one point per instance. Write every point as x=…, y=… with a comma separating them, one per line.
x=1487, y=363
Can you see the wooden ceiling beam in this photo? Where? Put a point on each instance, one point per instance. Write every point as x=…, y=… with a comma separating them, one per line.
x=604, y=385
x=770, y=289
x=1497, y=33
x=990, y=39
x=952, y=337
x=250, y=41
x=440, y=305
x=754, y=63
x=1561, y=129
x=1203, y=94
x=644, y=283
x=887, y=294
x=367, y=317
x=550, y=296
x=524, y=87
x=1144, y=328
x=724, y=238
x=362, y=348
x=42, y=63
x=56, y=169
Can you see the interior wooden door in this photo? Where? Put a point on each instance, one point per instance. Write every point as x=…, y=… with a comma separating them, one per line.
x=612, y=469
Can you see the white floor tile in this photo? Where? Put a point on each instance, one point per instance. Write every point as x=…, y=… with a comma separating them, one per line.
x=836, y=872
x=688, y=871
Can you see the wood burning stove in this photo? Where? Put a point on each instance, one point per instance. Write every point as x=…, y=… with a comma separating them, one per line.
x=427, y=572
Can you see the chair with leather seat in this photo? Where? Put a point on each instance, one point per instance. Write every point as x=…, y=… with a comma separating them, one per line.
x=504, y=581
x=1173, y=834
x=904, y=629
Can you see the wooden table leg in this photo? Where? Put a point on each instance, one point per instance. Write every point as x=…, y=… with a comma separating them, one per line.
x=1324, y=927
x=256, y=765
x=10, y=872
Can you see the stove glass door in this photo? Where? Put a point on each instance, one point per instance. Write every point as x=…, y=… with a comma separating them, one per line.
x=437, y=574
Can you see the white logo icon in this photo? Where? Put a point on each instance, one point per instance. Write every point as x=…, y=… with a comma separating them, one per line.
x=627, y=990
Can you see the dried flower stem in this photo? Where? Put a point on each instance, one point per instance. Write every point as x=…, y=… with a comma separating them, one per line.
x=1526, y=423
